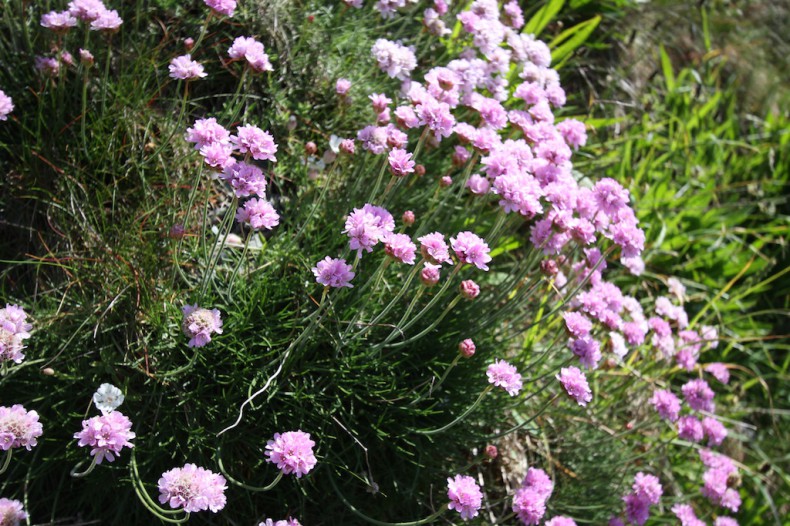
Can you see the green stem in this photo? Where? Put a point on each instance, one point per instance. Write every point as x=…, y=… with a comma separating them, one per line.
x=371, y=520
x=74, y=472
x=241, y=260
x=461, y=417
x=316, y=204
x=379, y=180
x=148, y=502
x=216, y=251
x=6, y=461
x=242, y=484
x=430, y=327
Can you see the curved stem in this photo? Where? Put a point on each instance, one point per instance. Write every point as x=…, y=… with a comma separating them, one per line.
x=148, y=502
x=430, y=327
x=380, y=178
x=74, y=472
x=6, y=461
x=242, y=484
x=457, y=420
x=371, y=520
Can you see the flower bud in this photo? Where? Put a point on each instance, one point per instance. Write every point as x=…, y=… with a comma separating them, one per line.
x=408, y=218
x=491, y=451
x=445, y=181
x=310, y=148
x=419, y=170
x=467, y=348
x=429, y=275
x=469, y=289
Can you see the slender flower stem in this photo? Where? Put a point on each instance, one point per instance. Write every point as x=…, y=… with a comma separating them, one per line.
x=435, y=387
x=74, y=472
x=6, y=461
x=401, y=329
x=430, y=327
x=148, y=502
x=316, y=204
x=242, y=484
x=379, y=180
x=529, y=420
x=238, y=265
x=376, y=280
x=461, y=417
x=203, y=30
x=371, y=520
x=216, y=251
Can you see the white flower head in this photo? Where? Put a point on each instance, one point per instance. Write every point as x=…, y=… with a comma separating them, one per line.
x=334, y=143
x=107, y=398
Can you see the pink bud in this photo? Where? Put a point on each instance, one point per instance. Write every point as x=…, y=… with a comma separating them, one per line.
x=408, y=218
x=310, y=148
x=491, y=451
x=445, y=181
x=467, y=348
x=347, y=146
x=429, y=275
x=469, y=289
x=189, y=43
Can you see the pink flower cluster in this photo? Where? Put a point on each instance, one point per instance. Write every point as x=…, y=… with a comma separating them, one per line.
x=6, y=106
x=333, y=272
x=222, y=7
x=94, y=12
x=192, y=488
x=291, y=452
x=106, y=435
x=184, y=68
x=249, y=49
x=12, y=513
x=720, y=480
x=465, y=496
x=13, y=329
x=529, y=501
x=199, y=324
x=367, y=226
x=394, y=58
x=646, y=492
x=575, y=384
x=504, y=375
x=18, y=428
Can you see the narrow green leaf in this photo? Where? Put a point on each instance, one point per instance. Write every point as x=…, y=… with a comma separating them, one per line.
x=543, y=17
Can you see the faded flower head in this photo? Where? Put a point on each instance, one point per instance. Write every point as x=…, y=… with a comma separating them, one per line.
x=199, y=324
x=193, y=489
x=107, y=398
x=291, y=452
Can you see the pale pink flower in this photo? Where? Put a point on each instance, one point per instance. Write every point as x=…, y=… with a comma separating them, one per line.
x=199, y=324
x=18, y=428
x=106, y=435
x=465, y=496
x=193, y=489
x=184, y=68
x=291, y=452
x=504, y=375
x=333, y=273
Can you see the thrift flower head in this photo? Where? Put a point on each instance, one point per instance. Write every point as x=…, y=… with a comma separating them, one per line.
x=502, y=374
x=714, y=430
x=184, y=68
x=107, y=398
x=207, y=131
x=393, y=58
x=408, y=218
x=252, y=51
x=18, y=428
x=647, y=487
x=106, y=434
x=11, y=512
x=719, y=371
x=637, y=510
x=529, y=506
x=199, y=324
x=258, y=143
x=108, y=21
x=222, y=7
x=87, y=10
x=465, y=496
x=400, y=162
x=698, y=395
x=258, y=213
x=690, y=428
x=342, y=86
x=561, y=521
x=400, y=247
x=666, y=404
x=471, y=249
x=575, y=384
x=60, y=22
x=246, y=179
x=6, y=106
x=291, y=452
x=193, y=489
x=367, y=226
x=434, y=249
x=10, y=346
x=331, y=272
x=685, y=513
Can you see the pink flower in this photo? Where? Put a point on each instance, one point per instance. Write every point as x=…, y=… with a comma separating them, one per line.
x=400, y=247
x=184, y=68
x=291, y=452
x=401, y=163
x=467, y=348
x=246, y=179
x=217, y=155
x=471, y=249
x=6, y=106
x=698, y=395
x=647, y=487
x=379, y=101
x=719, y=371
x=87, y=10
x=502, y=374
x=685, y=513
x=690, y=428
x=333, y=273
x=575, y=384
x=577, y=324
x=347, y=146
x=587, y=350
x=367, y=226
x=106, y=434
x=199, y=324
x=342, y=86
x=258, y=143
x=18, y=428
x=222, y=7
x=666, y=404
x=58, y=21
x=47, y=66
x=393, y=58
x=258, y=213
x=465, y=496
x=478, y=185
x=430, y=274
x=561, y=521
x=207, y=131
x=193, y=489
x=434, y=249
x=11, y=512
x=469, y=289
x=252, y=51
x=107, y=21
x=714, y=430
x=437, y=117
x=408, y=218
